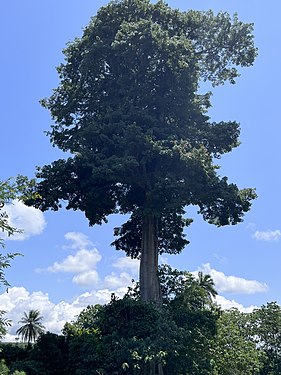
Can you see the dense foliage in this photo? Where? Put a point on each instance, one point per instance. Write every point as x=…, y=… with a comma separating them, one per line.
x=188, y=335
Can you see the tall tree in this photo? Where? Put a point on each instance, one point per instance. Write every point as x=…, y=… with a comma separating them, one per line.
x=128, y=111
x=32, y=326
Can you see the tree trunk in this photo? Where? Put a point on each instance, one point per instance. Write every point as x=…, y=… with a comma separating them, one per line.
x=155, y=369
x=149, y=281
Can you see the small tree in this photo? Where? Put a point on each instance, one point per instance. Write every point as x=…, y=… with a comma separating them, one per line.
x=11, y=189
x=3, y=368
x=4, y=323
x=14, y=188
x=32, y=326
x=128, y=110
x=234, y=351
x=266, y=333
x=8, y=191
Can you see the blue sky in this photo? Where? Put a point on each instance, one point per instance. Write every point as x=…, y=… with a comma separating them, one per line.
x=67, y=265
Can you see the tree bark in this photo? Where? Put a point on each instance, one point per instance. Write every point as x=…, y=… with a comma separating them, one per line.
x=155, y=369
x=149, y=282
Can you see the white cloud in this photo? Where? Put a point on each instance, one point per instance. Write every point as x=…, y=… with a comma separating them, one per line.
x=88, y=278
x=28, y=219
x=129, y=270
x=127, y=263
x=100, y=296
x=266, y=235
x=269, y=235
x=233, y=284
x=18, y=300
x=114, y=281
x=82, y=261
x=79, y=240
x=91, y=298
x=227, y=304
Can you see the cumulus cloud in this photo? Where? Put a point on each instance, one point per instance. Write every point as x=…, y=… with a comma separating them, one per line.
x=29, y=220
x=114, y=281
x=99, y=296
x=78, y=240
x=82, y=261
x=84, y=265
x=268, y=236
x=18, y=300
x=126, y=263
x=88, y=278
x=227, y=304
x=233, y=284
x=129, y=270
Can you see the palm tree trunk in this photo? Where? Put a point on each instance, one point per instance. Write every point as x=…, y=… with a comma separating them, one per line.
x=149, y=281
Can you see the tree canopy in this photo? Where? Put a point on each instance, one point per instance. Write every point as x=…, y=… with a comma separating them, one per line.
x=129, y=111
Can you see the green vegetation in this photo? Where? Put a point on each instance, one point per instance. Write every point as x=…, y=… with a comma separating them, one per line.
x=9, y=190
x=14, y=188
x=190, y=334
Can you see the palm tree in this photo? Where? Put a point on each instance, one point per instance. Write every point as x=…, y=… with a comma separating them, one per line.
x=32, y=326
x=206, y=282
